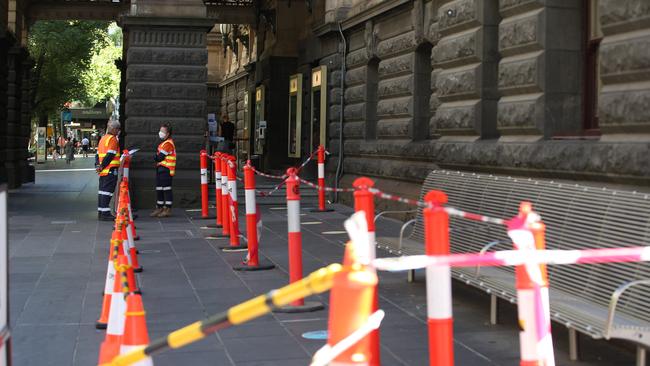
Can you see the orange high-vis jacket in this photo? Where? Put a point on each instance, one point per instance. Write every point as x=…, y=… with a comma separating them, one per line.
x=108, y=145
x=168, y=148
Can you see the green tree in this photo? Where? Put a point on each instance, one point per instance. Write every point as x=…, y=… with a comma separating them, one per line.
x=102, y=78
x=63, y=52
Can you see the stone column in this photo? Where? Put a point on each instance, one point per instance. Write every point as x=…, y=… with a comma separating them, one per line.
x=540, y=70
x=624, y=101
x=166, y=79
x=465, y=64
x=4, y=48
x=14, y=80
x=23, y=133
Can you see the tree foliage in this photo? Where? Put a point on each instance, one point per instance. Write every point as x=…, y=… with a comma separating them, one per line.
x=67, y=56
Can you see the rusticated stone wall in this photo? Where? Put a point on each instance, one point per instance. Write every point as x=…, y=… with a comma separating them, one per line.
x=624, y=103
x=166, y=82
x=540, y=43
x=465, y=60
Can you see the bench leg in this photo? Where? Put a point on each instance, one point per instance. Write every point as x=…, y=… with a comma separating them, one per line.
x=640, y=356
x=411, y=276
x=494, y=309
x=574, y=346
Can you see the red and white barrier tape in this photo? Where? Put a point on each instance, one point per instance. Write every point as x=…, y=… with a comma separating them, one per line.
x=516, y=258
x=326, y=189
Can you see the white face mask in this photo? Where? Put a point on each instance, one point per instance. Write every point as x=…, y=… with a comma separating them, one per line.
x=162, y=135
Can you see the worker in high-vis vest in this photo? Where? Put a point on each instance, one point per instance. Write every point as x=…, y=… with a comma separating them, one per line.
x=107, y=162
x=165, y=170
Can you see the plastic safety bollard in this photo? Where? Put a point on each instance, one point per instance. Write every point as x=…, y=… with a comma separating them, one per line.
x=292, y=185
x=217, y=187
x=533, y=308
x=223, y=197
x=440, y=321
x=351, y=304
x=321, y=181
x=235, y=244
x=364, y=201
x=253, y=262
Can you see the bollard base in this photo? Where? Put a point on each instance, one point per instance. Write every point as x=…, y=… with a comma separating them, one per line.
x=230, y=248
x=211, y=226
x=135, y=216
x=309, y=307
x=216, y=237
x=199, y=217
x=138, y=270
x=260, y=267
x=137, y=237
x=101, y=325
x=325, y=210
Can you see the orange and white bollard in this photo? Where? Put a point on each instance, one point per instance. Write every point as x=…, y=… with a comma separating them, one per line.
x=292, y=184
x=223, y=197
x=531, y=281
x=351, y=304
x=217, y=187
x=321, y=181
x=364, y=201
x=235, y=245
x=204, y=186
x=440, y=320
x=253, y=262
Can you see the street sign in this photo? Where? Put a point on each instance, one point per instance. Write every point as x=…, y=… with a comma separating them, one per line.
x=41, y=151
x=66, y=116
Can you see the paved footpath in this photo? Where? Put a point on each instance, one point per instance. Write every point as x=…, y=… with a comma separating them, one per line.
x=58, y=261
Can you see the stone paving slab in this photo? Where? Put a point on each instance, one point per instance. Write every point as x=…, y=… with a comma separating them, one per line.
x=58, y=259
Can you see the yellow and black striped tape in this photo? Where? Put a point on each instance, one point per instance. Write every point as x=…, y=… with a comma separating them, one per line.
x=317, y=282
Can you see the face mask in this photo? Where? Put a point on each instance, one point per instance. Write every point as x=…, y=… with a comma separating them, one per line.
x=162, y=135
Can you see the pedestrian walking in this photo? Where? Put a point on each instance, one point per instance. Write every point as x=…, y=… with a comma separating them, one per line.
x=165, y=159
x=85, y=145
x=69, y=150
x=227, y=132
x=107, y=162
x=61, y=146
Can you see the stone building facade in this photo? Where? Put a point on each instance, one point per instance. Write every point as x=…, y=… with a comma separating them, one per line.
x=15, y=77
x=552, y=88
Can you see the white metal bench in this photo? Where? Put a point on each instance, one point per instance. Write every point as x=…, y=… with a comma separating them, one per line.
x=602, y=301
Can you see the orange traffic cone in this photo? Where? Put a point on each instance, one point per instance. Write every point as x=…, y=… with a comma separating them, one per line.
x=102, y=322
x=132, y=252
x=115, y=329
x=107, y=351
x=133, y=284
x=351, y=303
x=135, y=328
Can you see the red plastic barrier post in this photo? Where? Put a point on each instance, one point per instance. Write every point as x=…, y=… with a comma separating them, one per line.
x=536, y=343
x=225, y=197
x=293, y=225
x=204, y=184
x=253, y=262
x=321, y=180
x=439, y=307
x=364, y=201
x=217, y=187
x=233, y=207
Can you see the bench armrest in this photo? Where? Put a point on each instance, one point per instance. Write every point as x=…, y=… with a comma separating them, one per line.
x=391, y=212
x=401, y=232
x=485, y=248
x=613, y=303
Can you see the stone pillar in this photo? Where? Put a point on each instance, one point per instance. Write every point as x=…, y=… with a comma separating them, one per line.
x=4, y=48
x=14, y=80
x=26, y=172
x=624, y=101
x=166, y=82
x=540, y=70
x=465, y=64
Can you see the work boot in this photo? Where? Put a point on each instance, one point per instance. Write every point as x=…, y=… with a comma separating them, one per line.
x=166, y=212
x=105, y=217
x=156, y=212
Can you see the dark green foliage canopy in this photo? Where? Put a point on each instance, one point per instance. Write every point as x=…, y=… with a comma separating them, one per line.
x=63, y=52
